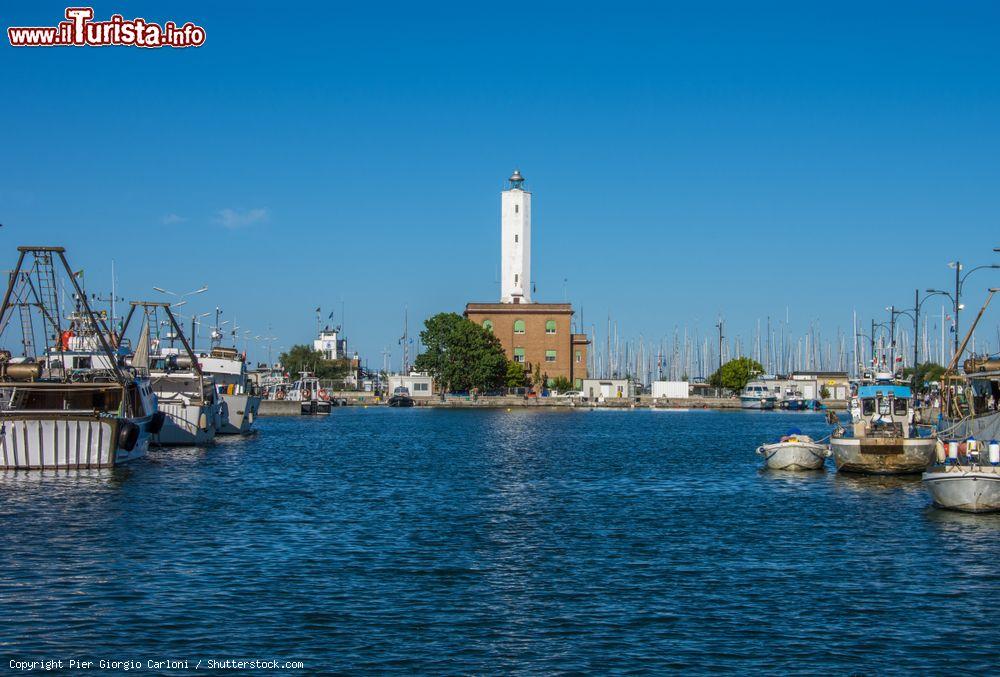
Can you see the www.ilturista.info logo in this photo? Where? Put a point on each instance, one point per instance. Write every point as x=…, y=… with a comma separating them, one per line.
x=80, y=30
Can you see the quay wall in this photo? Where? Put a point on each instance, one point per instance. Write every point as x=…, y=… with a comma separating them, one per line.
x=279, y=408
x=356, y=398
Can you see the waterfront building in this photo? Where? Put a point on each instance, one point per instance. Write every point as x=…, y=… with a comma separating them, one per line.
x=330, y=344
x=837, y=384
x=419, y=384
x=538, y=335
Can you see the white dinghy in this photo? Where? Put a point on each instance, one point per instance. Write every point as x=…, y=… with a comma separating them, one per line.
x=794, y=451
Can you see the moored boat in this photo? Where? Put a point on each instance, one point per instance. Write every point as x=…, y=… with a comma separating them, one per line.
x=76, y=406
x=310, y=394
x=184, y=393
x=794, y=451
x=401, y=397
x=757, y=395
x=239, y=403
x=882, y=438
x=963, y=480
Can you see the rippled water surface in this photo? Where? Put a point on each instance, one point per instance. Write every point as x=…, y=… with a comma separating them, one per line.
x=493, y=541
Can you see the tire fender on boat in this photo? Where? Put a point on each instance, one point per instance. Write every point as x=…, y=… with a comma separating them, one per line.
x=156, y=423
x=128, y=435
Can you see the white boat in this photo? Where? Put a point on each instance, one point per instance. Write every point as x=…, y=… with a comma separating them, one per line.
x=239, y=404
x=964, y=480
x=757, y=395
x=308, y=391
x=794, y=451
x=184, y=393
x=882, y=438
x=73, y=407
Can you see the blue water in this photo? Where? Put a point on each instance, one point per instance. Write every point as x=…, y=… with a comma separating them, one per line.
x=431, y=541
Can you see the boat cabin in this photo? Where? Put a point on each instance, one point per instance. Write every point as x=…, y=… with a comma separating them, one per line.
x=882, y=410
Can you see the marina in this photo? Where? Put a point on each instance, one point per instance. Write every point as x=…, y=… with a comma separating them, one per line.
x=451, y=339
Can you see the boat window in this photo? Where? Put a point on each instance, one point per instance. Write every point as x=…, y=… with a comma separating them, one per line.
x=899, y=407
x=868, y=406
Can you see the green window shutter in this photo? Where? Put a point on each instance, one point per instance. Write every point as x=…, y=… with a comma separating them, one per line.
x=550, y=356
x=488, y=325
x=518, y=326
x=550, y=327
x=518, y=352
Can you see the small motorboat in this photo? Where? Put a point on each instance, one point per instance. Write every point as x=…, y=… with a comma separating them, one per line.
x=962, y=480
x=401, y=397
x=794, y=451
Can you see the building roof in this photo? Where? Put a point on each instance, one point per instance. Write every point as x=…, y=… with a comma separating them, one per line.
x=519, y=308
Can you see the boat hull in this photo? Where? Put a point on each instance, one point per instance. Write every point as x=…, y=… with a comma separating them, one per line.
x=61, y=441
x=316, y=407
x=883, y=455
x=965, y=488
x=239, y=414
x=756, y=403
x=187, y=424
x=793, y=455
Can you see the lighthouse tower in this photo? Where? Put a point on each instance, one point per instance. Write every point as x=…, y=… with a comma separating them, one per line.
x=515, y=248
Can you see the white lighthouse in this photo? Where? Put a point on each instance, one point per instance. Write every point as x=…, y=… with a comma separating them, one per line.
x=515, y=248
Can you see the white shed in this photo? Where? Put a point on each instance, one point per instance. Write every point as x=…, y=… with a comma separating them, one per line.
x=608, y=388
x=419, y=384
x=673, y=389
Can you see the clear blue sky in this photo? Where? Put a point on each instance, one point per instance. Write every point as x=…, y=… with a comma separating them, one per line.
x=685, y=160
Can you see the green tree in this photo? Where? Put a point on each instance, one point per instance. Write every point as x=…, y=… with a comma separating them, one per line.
x=304, y=358
x=461, y=354
x=735, y=374
x=927, y=372
x=561, y=384
x=516, y=378
x=824, y=393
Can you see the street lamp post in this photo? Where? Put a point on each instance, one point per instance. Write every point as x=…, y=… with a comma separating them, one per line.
x=956, y=299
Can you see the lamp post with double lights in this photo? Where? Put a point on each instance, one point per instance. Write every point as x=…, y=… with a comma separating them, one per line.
x=956, y=298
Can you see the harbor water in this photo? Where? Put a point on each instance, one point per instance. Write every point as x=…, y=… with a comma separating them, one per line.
x=494, y=541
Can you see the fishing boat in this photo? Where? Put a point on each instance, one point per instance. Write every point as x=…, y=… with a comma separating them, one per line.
x=78, y=405
x=228, y=370
x=184, y=393
x=757, y=395
x=970, y=405
x=882, y=438
x=966, y=476
x=401, y=397
x=794, y=451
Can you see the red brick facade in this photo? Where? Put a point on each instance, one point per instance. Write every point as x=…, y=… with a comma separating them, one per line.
x=539, y=335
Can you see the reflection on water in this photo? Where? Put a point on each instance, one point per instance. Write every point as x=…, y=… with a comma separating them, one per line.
x=964, y=524
x=878, y=483
x=414, y=540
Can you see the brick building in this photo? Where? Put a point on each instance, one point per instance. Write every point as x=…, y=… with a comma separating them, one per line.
x=538, y=335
